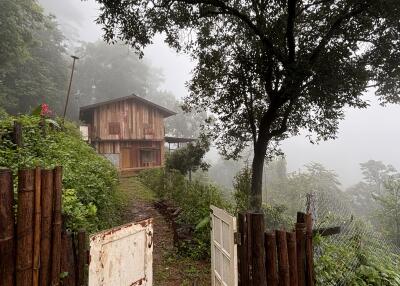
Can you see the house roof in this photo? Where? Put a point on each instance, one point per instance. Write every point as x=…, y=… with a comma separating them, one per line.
x=170, y=139
x=167, y=112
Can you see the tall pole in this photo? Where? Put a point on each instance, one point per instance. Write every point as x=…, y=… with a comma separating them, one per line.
x=70, y=83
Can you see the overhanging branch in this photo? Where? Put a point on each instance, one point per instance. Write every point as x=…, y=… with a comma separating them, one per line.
x=227, y=10
x=333, y=30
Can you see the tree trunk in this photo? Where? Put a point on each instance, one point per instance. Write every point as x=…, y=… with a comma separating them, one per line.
x=257, y=175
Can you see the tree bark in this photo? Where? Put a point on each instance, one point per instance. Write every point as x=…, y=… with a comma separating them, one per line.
x=257, y=175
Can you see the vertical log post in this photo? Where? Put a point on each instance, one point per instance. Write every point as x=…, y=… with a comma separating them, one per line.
x=301, y=248
x=309, y=251
x=37, y=228
x=6, y=228
x=26, y=197
x=46, y=226
x=258, y=274
x=271, y=259
x=243, y=266
x=81, y=258
x=291, y=243
x=68, y=259
x=57, y=220
x=283, y=259
x=17, y=134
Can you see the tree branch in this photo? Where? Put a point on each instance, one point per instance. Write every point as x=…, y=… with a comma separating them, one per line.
x=227, y=10
x=333, y=29
x=310, y=5
x=283, y=126
x=290, y=30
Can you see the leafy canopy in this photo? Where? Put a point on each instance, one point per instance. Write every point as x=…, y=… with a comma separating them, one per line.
x=189, y=158
x=270, y=68
x=33, y=69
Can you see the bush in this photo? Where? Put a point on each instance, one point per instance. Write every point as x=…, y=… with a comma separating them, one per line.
x=356, y=262
x=194, y=198
x=276, y=216
x=89, y=180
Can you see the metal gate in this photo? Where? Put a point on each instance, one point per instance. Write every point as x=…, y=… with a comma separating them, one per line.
x=223, y=248
x=122, y=256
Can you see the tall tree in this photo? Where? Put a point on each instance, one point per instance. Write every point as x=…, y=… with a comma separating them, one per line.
x=389, y=209
x=32, y=58
x=376, y=173
x=268, y=69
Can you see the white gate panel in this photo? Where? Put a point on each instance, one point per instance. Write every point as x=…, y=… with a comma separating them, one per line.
x=223, y=248
x=122, y=256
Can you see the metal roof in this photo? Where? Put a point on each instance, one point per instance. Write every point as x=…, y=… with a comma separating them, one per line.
x=170, y=139
x=167, y=112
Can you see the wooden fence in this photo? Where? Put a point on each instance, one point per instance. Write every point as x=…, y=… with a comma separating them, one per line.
x=34, y=247
x=283, y=258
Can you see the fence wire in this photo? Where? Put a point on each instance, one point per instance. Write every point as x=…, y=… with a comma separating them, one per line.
x=355, y=238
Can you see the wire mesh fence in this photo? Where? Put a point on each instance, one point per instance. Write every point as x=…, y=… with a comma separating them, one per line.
x=346, y=251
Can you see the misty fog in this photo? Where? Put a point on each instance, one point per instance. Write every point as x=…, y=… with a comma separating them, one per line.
x=373, y=133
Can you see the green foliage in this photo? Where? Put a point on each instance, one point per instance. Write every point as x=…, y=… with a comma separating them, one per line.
x=242, y=186
x=189, y=159
x=194, y=198
x=32, y=58
x=355, y=263
x=268, y=69
x=89, y=180
x=275, y=215
x=388, y=210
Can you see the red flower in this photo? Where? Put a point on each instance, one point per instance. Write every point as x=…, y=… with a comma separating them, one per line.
x=45, y=111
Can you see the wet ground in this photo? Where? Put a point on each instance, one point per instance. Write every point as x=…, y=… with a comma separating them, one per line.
x=169, y=268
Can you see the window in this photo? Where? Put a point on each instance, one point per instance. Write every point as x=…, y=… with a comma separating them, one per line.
x=114, y=128
x=148, y=156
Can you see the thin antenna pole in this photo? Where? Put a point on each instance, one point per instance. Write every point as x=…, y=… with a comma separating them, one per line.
x=69, y=87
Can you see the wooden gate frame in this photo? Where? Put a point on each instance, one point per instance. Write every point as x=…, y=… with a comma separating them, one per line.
x=217, y=242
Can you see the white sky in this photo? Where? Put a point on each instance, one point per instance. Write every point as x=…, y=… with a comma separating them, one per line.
x=372, y=133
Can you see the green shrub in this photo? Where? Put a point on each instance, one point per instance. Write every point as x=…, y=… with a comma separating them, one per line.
x=90, y=180
x=355, y=262
x=194, y=198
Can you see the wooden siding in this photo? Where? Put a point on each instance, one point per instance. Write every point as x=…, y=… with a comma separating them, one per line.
x=129, y=152
x=138, y=121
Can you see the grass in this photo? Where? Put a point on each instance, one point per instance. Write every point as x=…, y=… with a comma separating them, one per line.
x=169, y=268
x=132, y=189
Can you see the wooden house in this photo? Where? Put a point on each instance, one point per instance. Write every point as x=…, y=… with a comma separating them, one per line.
x=129, y=131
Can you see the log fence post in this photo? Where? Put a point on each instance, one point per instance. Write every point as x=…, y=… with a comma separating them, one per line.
x=37, y=228
x=309, y=250
x=57, y=227
x=291, y=244
x=271, y=259
x=7, y=244
x=283, y=258
x=68, y=261
x=46, y=226
x=258, y=275
x=243, y=266
x=301, y=248
x=25, y=217
x=82, y=254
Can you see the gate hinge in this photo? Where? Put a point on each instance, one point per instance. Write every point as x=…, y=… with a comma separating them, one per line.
x=237, y=238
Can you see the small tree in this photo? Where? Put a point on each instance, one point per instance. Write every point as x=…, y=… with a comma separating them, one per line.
x=189, y=159
x=389, y=212
x=268, y=69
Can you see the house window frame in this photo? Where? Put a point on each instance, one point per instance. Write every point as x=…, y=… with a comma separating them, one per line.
x=114, y=128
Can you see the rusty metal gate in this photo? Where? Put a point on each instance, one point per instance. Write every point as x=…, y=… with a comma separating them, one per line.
x=223, y=249
x=122, y=256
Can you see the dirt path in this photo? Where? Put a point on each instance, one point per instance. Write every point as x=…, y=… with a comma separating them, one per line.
x=169, y=269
